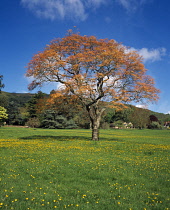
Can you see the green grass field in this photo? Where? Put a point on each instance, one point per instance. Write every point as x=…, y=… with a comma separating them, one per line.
x=48, y=169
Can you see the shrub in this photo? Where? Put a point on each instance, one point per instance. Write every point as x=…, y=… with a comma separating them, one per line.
x=155, y=125
x=33, y=122
x=105, y=125
x=70, y=124
x=119, y=124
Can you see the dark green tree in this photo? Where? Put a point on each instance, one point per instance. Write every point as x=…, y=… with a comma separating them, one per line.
x=51, y=119
x=33, y=102
x=13, y=113
x=4, y=100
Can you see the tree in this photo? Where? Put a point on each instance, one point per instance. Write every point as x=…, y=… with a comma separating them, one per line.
x=13, y=113
x=139, y=117
x=1, y=84
x=92, y=70
x=32, y=104
x=154, y=123
x=67, y=106
x=153, y=118
x=4, y=100
x=3, y=115
x=122, y=115
x=51, y=119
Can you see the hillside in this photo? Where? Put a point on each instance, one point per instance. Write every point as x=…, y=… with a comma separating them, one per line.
x=17, y=108
x=19, y=98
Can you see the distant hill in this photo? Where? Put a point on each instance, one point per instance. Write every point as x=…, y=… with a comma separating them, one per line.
x=18, y=98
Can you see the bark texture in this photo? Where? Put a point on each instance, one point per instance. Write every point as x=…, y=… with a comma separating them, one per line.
x=95, y=117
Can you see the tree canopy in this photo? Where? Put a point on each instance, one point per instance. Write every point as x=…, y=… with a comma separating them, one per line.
x=92, y=70
x=3, y=115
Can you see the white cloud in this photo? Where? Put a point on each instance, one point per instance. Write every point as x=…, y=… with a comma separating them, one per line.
x=22, y=91
x=153, y=54
x=143, y=106
x=150, y=54
x=132, y=5
x=54, y=9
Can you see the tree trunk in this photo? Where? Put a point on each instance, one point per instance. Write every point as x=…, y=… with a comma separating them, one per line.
x=95, y=131
x=95, y=117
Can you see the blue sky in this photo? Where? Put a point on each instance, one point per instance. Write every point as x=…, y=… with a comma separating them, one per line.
x=28, y=25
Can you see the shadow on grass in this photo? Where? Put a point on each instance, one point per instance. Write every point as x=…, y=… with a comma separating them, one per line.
x=64, y=138
x=55, y=138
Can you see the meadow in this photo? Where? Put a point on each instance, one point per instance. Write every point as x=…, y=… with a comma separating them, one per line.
x=64, y=169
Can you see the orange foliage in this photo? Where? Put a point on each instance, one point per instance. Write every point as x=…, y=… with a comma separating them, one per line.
x=92, y=69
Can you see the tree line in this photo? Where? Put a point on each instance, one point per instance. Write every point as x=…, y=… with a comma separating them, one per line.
x=36, y=110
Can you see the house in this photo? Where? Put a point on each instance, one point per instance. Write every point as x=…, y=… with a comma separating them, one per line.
x=167, y=124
